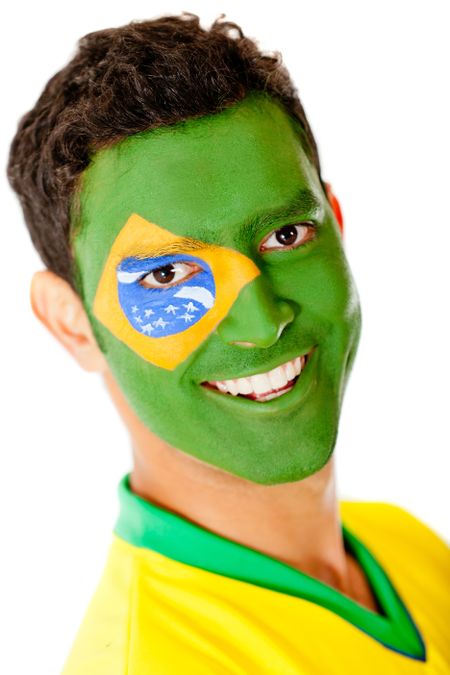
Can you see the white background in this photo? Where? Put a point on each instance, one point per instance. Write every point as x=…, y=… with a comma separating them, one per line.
x=373, y=78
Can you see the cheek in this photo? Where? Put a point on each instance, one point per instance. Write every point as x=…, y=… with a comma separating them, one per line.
x=320, y=284
x=151, y=392
x=328, y=313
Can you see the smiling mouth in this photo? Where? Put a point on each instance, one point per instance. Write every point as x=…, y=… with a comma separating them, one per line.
x=263, y=386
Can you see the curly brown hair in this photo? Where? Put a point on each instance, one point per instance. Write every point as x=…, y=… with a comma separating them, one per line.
x=122, y=81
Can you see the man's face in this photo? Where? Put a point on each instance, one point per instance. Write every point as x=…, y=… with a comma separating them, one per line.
x=208, y=252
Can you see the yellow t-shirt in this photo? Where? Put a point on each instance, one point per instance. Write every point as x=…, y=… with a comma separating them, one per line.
x=177, y=599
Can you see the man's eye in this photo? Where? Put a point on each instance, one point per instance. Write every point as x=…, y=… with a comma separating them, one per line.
x=288, y=236
x=169, y=275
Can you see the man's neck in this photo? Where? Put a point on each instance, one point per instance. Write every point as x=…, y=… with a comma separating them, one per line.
x=297, y=523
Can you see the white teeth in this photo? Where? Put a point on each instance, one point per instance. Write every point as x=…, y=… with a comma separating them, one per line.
x=273, y=394
x=260, y=383
x=278, y=378
x=232, y=387
x=290, y=370
x=221, y=386
x=263, y=384
x=244, y=385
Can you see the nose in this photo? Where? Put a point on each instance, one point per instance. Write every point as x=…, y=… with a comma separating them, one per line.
x=257, y=317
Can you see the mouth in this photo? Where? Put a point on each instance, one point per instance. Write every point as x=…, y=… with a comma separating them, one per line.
x=264, y=386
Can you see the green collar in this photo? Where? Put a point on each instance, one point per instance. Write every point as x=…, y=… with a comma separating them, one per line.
x=146, y=525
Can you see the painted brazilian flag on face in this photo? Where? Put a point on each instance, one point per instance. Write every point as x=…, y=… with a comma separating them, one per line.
x=162, y=294
x=167, y=306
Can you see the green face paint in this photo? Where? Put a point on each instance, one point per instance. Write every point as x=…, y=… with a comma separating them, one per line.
x=227, y=181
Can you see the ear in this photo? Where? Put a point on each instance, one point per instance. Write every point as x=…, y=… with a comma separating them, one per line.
x=60, y=309
x=334, y=203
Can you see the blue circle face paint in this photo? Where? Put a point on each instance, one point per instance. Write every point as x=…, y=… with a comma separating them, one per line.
x=168, y=309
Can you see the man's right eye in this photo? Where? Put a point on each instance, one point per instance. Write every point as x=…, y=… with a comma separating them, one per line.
x=169, y=275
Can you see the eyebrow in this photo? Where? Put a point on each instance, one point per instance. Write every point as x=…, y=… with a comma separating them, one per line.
x=183, y=245
x=304, y=203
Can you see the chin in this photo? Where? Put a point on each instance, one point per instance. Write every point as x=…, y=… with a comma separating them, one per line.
x=292, y=473
x=287, y=460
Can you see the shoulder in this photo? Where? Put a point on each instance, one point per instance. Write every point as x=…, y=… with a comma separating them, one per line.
x=101, y=645
x=391, y=527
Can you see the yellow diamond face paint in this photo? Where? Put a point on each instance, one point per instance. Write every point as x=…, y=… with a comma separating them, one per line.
x=165, y=323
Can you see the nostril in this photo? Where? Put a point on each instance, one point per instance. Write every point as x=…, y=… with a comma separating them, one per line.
x=281, y=327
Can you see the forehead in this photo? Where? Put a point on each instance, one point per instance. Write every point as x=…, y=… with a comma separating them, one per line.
x=202, y=178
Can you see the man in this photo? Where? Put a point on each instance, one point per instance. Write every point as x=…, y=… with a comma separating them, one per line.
x=172, y=185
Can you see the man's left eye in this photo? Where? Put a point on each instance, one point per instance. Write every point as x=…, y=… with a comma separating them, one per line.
x=288, y=236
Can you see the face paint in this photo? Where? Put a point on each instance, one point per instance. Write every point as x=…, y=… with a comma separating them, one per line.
x=165, y=320
x=197, y=208
x=137, y=299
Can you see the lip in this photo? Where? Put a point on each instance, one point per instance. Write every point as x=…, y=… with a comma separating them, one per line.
x=280, y=404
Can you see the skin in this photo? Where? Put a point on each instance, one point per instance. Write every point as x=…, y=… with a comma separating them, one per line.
x=296, y=521
x=204, y=180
